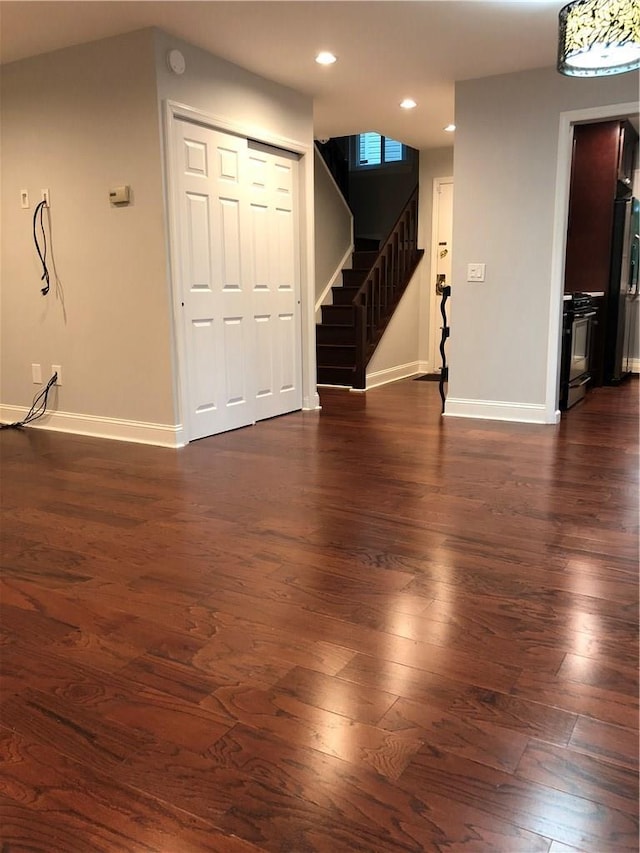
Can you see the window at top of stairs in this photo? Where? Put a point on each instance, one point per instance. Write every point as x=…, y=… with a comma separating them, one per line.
x=372, y=150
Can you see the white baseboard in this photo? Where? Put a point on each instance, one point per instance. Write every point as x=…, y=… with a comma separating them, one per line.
x=162, y=435
x=392, y=374
x=496, y=410
x=311, y=403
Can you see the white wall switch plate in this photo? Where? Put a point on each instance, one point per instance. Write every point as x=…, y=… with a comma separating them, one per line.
x=475, y=272
x=36, y=374
x=44, y=196
x=55, y=368
x=24, y=199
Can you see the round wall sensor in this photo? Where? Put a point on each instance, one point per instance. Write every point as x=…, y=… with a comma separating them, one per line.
x=176, y=62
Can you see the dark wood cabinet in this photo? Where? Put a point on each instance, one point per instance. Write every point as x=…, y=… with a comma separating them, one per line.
x=604, y=155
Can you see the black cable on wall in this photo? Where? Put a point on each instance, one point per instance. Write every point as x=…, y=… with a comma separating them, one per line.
x=38, y=407
x=42, y=252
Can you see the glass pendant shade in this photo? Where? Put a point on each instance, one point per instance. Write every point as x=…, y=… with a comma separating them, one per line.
x=599, y=37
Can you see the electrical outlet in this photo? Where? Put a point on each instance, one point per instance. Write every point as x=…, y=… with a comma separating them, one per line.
x=36, y=374
x=44, y=196
x=24, y=199
x=55, y=368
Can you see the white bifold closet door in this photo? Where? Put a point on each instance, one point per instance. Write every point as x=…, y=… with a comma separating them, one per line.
x=238, y=265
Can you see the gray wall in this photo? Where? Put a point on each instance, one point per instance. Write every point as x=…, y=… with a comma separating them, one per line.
x=404, y=348
x=219, y=88
x=377, y=196
x=333, y=221
x=79, y=121
x=635, y=313
x=434, y=163
x=506, y=154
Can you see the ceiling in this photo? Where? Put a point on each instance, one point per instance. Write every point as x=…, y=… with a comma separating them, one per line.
x=386, y=50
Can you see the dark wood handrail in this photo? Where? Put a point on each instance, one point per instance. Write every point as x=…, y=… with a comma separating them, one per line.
x=385, y=283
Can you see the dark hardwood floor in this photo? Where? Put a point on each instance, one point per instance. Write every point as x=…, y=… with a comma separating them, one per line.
x=365, y=629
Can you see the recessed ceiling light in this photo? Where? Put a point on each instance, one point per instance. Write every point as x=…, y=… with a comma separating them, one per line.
x=408, y=104
x=449, y=128
x=325, y=58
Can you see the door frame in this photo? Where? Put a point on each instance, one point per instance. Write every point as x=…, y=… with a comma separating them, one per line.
x=559, y=239
x=433, y=339
x=174, y=111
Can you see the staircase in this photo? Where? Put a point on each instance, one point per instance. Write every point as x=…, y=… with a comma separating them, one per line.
x=336, y=334
x=353, y=325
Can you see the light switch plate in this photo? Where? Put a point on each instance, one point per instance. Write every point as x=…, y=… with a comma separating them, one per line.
x=475, y=272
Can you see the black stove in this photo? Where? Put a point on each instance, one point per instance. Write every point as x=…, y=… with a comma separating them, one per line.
x=577, y=329
x=579, y=303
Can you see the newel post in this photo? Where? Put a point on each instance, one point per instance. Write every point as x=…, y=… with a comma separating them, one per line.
x=360, y=374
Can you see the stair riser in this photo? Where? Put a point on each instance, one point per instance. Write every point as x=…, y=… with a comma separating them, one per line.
x=341, y=315
x=363, y=260
x=366, y=244
x=335, y=355
x=335, y=376
x=343, y=295
x=354, y=278
x=335, y=334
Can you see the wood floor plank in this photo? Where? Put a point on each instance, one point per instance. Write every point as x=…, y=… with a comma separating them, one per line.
x=609, y=676
x=609, y=706
x=278, y=822
x=583, y=775
x=614, y=744
x=536, y=807
x=281, y=715
x=359, y=799
x=336, y=695
x=78, y=733
x=169, y=676
x=558, y=847
x=421, y=679
x=442, y=729
x=515, y=627
x=364, y=628
x=45, y=791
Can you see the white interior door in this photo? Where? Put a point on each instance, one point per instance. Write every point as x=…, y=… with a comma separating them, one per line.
x=239, y=279
x=275, y=280
x=215, y=298
x=440, y=260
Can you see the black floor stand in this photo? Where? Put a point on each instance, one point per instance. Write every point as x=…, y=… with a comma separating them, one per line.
x=444, y=374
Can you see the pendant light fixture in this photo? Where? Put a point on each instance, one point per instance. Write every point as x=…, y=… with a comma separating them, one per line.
x=599, y=37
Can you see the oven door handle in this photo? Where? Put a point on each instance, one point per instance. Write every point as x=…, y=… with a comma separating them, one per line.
x=581, y=383
x=584, y=316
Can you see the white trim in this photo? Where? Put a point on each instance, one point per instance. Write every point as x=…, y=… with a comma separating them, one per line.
x=176, y=111
x=496, y=410
x=337, y=273
x=433, y=341
x=139, y=432
x=311, y=405
x=635, y=365
x=244, y=129
x=392, y=374
x=558, y=247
